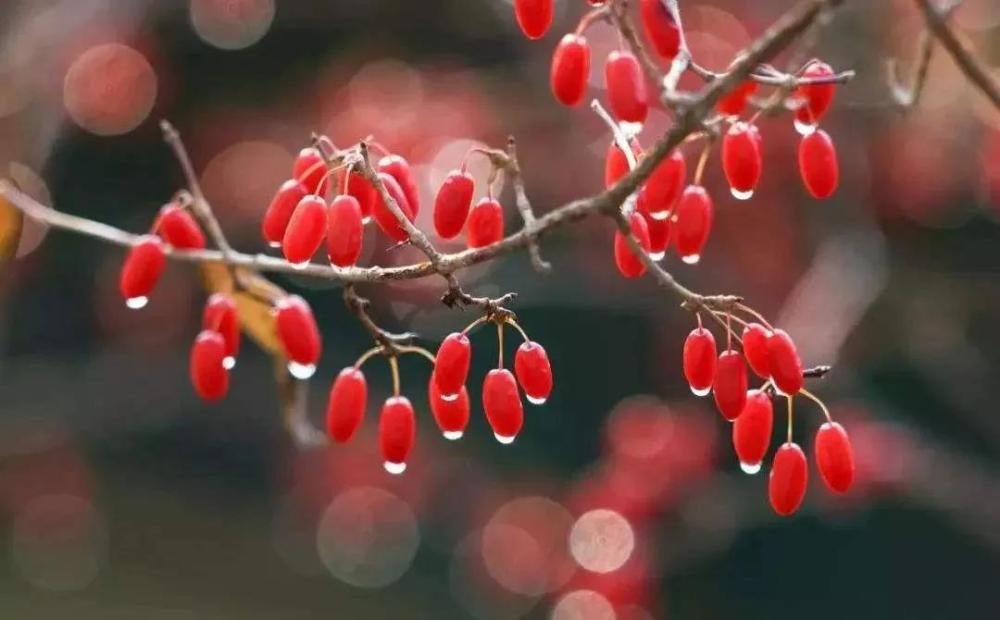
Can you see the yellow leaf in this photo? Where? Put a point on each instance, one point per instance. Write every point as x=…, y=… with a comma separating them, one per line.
x=11, y=223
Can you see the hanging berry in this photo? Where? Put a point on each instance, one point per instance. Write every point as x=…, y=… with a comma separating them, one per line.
x=177, y=227
x=358, y=186
x=275, y=222
x=534, y=372
x=629, y=265
x=502, y=405
x=299, y=335
x=344, y=231
x=816, y=98
x=754, y=340
x=451, y=365
x=616, y=163
x=784, y=363
x=741, y=159
x=787, y=485
x=452, y=416
x=752, y=431
x=398, y=168
x=699, y=360
x=384, y=217
x=305, y=231
x=659, y=236
x=533, y=16
x=660, y=27
x=694, y=223
x=729, y=384
x=345, y=409
x=208, y=375
x=570, y=69
x=397, y=428
x=663, y=186
x=451, y=206
x=818, y=164
x=141, y=271
x=626, y=87
x=834, y=457
x=485, y=223
x=221, y=315
x=310, y=169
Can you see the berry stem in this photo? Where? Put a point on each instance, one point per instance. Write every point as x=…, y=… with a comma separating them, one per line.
x=590, y=17
x=788, y=399
x=394, y=368
x=367, y=355
x=514, y=324
x=473, y=325
x=419, y=351
x=818, y=401
x=500, y=344
x=755, y=314
x=702, y=160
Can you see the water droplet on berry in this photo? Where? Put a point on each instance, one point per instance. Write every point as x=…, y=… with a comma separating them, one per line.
x=394, y=468
x=453, y=435
x=738, y=195
x=301, y=371
x=450, y=397
x=535, y=401
x=366, y=220
x=229, y=362
x=657, y=255
x=700, y=393
x=504, y=439
x=300, y=266
x=691, y=259
x=750, y=468
x=659, y=215
x=274, y=244
x=804, y=129
x=631, y=129
x=137, y=303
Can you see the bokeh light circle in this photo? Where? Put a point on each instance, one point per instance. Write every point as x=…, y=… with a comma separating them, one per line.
x=601, y=540
x=583, y=605
x=232, y=24
x=109, y=89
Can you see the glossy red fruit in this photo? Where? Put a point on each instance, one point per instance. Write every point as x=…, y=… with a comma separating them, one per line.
x=752, y=431
x=177, y=227
x=570, y=69
x=695, y=214
x=141, y=271
x=660, y=27
x=730, y=384
x=735, y=102
x=344, y=230
x=363, y=191
x=221, y=315
x=629, y=265
x=659, y=236
x=299, y=335
x=305, y=230
x=818, y=164
x=534, y=372
x=754, y=340
x=451, y=364
x=310, y=169
x=663, y=186
x=208, y=375
x=452, y=416
x=345, y=409
x=784, y=363
x=741, y=159
x=834, y=457
x=397, y=428
x=485, y=223
x=699, y=360
x=502, y=404
x=384, y=217
x=616, y=163
x=626, y=87
x=533, y=16
x=789, y=475
x=398, y=168
x=275, y=222
x=452, y=203
x=816, y=98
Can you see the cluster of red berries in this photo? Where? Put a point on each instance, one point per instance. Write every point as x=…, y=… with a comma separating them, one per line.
x=771, y=355
x=447, y=395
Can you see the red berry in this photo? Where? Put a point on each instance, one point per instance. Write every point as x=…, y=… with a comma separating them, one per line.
x=299, y=335
x=208, y=375
x=533, y=16
x=485, y=223
x=616, y=163
x=659, y=236
x=734, y=103
x=289, y=195
x=699, y=360
x=534, y=372
x=141, y=271
x=660, y=27
x=730, y=384
x=629, y=265
x=451, y=206
x=397, y=427
x=305, y=230
x=398, y=168
x=384, y=217
x=754, y=339
x=570, y=69
x=834, y=457
x=451, y=365
x=179, y=228
x=221, y=315
x=818, y=164
x=787, y=484
x=816, y=97
x=452, y=416
x=502, y=404
x=363, y=191
x=784, y=363
x=344, y=230
x=626, y=87
x=310, y=169
x=741, y=159
x=346, y=408
x=752, y=431
x=694, y=223
x=664, y=185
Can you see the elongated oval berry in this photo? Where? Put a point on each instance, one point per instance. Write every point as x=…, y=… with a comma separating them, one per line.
x=485, y=223
x=660, y=27
x=346, y=407
x=754, y=340
x=741, y=159
x=310, y=169
x=305, y=230
x=784, y=363
x=694, y=223
x=344, y=231
x=570, y=69
x=730, y=384
x=208, y=375
x=502, y=404
x=299, y=335
x=177, y=226
x=663, y=186
x=616, y=163
x=141, y=271
x=629, y=265
x=398, y=168
x=818, y=164
x=626, y=87
x=452, y=203
x=397, y=428
x=789, y=474
x=221, y=315
x=752, y=431
x=384, y=216
x=816, y=98
x=699, y=360
x=452, y=416
x=451, y=364
x=659, y=236
x=734, y=103
x=533, y=16
x=364, y=192
x=834, y=457
x=275, y=222
x=534, y=372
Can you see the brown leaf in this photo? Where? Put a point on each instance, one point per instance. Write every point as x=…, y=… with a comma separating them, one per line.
x=11, y=224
